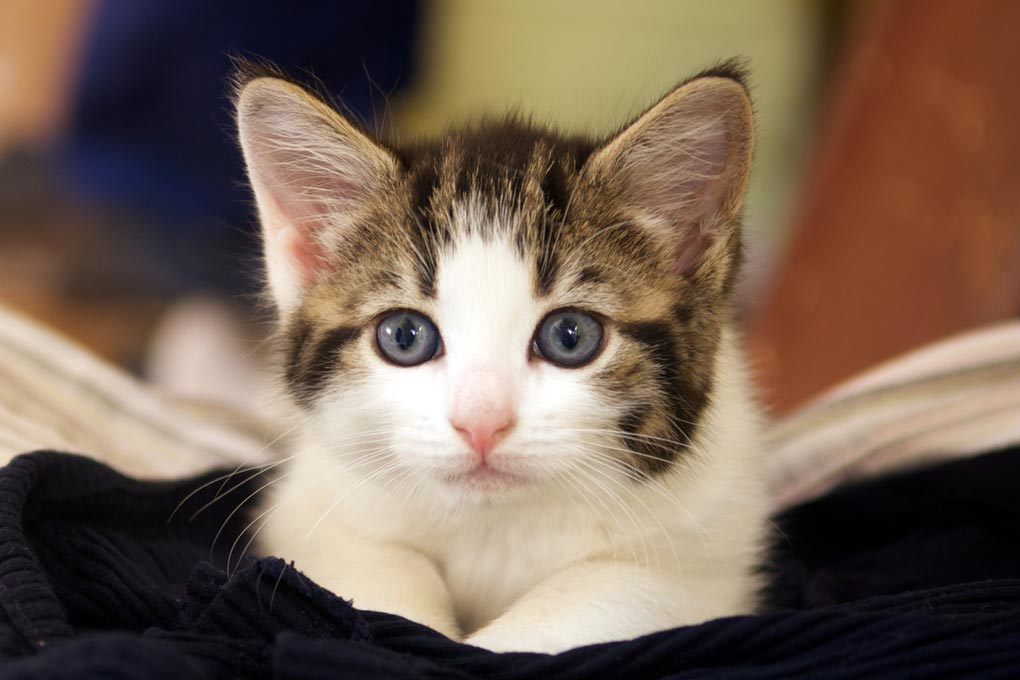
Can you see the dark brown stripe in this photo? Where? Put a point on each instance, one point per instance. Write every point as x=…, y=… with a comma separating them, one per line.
x=658, y=338
x=557, y=187
x=590, y=275
x=309, y=369
x=686, y=400
x=547, y=265
x=426, y=233
x=633, y=420
x=682, y=313
x=654, y=458
x=298, y=336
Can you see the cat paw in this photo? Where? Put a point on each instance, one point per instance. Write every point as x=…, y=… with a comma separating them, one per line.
x=519, y=641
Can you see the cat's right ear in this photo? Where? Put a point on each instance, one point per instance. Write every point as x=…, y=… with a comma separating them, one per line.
x=681, y=168
x=311, y=172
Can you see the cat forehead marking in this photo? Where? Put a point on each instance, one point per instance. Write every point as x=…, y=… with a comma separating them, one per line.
x=484, y=301
x=501, y=181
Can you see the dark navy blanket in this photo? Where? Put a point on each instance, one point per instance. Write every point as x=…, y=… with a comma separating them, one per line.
x=914, y=575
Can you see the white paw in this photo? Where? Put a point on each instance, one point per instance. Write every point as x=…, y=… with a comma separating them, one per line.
x=544, y=642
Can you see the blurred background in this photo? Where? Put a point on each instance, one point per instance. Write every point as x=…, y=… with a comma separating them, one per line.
x=884, y=208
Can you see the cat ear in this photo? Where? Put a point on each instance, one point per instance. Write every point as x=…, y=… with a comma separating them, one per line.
x=682, y=166
x=311, y=172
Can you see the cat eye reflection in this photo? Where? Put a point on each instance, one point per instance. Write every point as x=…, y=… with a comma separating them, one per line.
x=407, y=338
x=568, y=338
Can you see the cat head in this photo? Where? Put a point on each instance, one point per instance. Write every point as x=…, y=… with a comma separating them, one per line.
x=503, y=307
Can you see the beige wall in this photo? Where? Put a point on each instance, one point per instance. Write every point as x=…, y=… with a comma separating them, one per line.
x=589, y=64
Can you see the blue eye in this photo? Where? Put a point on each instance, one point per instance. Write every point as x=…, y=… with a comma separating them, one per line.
x=407, y=338
x=568, y=338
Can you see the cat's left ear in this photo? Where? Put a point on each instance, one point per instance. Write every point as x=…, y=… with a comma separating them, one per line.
x=681, y=168
x=312, y=173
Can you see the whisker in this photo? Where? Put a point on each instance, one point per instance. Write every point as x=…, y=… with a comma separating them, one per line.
x=221, y=494
x=574, y=487
x=227, y=476
x=657, y=486
x=233, y=512
x=636, y=436
x=606, y=464
x=268, y=514
x=605, y=487
x=375, y=475
x=263, y=449
x=628, y=451
x=625, y=533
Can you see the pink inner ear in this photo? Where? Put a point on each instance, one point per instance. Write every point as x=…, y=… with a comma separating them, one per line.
x=692, y=246
x=293, y=219
x=683, y=181
x=304, y=255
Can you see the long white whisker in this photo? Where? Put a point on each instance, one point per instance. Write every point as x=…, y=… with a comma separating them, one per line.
x=598, y=498
x=261, y=451
x=628, y=451
x=656, y=486
x=268, y=514
x=253, y=494
x=607, y=466
x=364, y=480
x=605, y=483
x=227, y=476
x=221, y=494
x=561, y=481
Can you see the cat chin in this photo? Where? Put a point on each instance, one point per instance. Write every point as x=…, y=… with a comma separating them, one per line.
x=485, y=486
x=486, y=477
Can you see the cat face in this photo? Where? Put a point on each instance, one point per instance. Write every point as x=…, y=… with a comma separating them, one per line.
x=503, y=310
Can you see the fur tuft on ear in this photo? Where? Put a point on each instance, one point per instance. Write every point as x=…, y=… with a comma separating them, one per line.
x=311, y=172
x=682, y=166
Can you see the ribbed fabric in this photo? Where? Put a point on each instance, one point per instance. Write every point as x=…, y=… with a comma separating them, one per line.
x=916, y=575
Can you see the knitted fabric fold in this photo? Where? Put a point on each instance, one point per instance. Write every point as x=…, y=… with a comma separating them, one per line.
x=912, y=575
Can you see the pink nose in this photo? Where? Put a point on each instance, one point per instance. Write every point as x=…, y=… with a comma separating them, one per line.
x=483, y=430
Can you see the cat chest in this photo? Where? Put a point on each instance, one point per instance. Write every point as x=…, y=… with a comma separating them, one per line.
x=488, y=571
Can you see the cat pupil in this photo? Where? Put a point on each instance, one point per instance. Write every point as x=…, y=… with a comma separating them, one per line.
x=569, y=334
x=405, y=334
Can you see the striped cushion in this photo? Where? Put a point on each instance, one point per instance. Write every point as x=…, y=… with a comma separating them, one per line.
x=951, y=399
x=56, y=395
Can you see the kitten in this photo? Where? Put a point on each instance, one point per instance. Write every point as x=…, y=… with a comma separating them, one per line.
x=521, y=415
